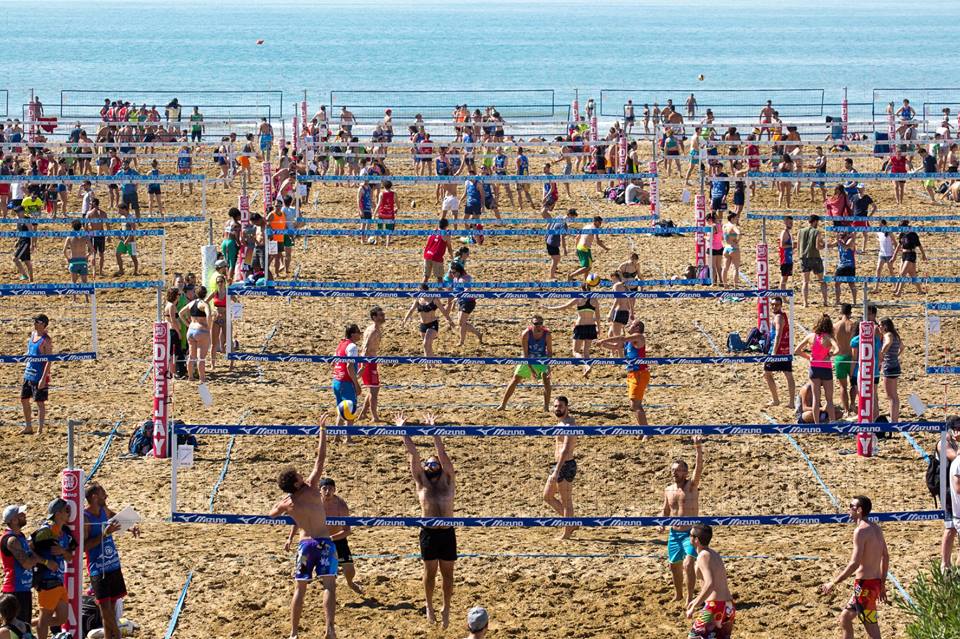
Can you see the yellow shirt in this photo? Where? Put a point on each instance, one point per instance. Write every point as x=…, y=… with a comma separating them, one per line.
x=32, y=205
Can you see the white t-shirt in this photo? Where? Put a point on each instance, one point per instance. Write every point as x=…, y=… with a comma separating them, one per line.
x=353, y=350
x=954, y=495
x=451, y=204
x=87, y=203
x=632, y=194
x=885, y=241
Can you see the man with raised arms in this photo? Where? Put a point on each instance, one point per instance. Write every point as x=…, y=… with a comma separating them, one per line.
x=715, y=620
x=843, y=332
x=558, y=493
x=317, y=554
x=435, y=480
x=868, y=565
x=682, y=499
x=368, y=372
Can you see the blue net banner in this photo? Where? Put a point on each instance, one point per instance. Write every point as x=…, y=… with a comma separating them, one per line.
x=137, y=233
x=55, y=357
x=468, y=285
x=943, y=306
x=493, y=221
x=631, y=230
x=12, y=290
x=892, y=279
x=840, y=428
x=893, y=229
x=291, y=358
x=844, y=177
x=452, y=179
x=799, y=215
x=269, y=291
x=107, y=179
x=70, y=217
x=551, y=522
x=943, y=370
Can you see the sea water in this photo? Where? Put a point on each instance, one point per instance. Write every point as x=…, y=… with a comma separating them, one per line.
x=322, y=46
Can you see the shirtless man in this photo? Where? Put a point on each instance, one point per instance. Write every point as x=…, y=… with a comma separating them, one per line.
x=843, y=332
x=682, y=499
x=766, y=117
x=265, y=134
x=691, y=106
x=558, y=493
x=715, y=620
x=868, y=565
x=92, y=223
x=317, y=553
x=368, y=373
x=584, y=243
x=335, y=506
x=435, y=482
x=76, y=251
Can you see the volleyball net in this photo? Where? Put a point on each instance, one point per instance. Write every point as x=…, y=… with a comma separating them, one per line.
x=214, y=105
x=928, y=102
x=728, y=103
x=405, y=105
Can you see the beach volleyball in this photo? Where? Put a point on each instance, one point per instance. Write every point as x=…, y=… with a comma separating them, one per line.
x=592, y=280
x=700, y=77
x=347, y=410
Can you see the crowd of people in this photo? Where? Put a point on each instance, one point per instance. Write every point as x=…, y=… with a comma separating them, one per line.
x=195, y=313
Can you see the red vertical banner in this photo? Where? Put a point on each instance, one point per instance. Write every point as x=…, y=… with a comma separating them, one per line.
x=763, y=284
x=700, y=238
x=892, y=128
x=866, y=390
x=267, y=186
x=296, y=133
x=71, y=482
x=576, y=110
x=593, y=129
x=161, y=355
x=654, y=193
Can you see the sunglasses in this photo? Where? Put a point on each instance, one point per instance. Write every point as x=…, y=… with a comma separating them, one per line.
x=431, y=464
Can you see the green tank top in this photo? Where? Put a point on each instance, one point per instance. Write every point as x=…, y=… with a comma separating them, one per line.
x=808, y=243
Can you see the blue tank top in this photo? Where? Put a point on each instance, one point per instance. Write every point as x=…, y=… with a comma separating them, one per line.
x=15, y=576
x=441, y=166
x=487, y=190
x=471, y=192
x=630, y=352
x=537, y=347
x=522, y=164
x=500, y=163
x=34, y=370
x=102, y=558
x=44, y=540
x=365, y=200
x=845, y=256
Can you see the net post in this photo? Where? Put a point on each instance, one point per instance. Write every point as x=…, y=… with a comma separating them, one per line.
x=700, y=242
x=93, y=322
x=71, y=491
x=926, y=338
x=944, y=463
x=161, y=357
x=203, y=199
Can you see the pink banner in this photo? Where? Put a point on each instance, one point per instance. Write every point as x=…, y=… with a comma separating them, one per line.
x=267, y=186
x=845, y=116
x=576, y=110
x=296, y=134
x=700, y=238
x=866, y=390
x=72, y=492
x=763, y=284
x=161, y=355
x=623, y=154
x=593, y=129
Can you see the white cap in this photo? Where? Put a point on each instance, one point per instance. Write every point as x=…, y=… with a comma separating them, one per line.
x=477, y=619
x=11, y=511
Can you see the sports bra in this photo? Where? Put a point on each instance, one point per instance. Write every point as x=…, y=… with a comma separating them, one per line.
x=426, y=308
x=196, y=311
x=586, y=306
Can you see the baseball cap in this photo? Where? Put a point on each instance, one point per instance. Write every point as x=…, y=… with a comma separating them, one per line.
x=56, y=506
x=11, y=511
x=41, y=318
x=477, y=619
x=220, y=264
x=327, y=481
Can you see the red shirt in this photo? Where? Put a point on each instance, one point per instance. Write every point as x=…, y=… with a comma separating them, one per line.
x=898, y=164
x=783, y=341
x=340, y=371
x=435, y=249
x=388, y=205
